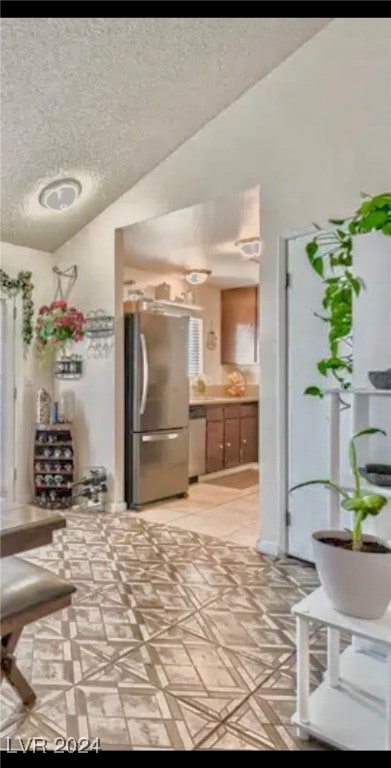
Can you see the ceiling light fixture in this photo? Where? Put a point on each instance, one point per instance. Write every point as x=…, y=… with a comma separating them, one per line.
x=60, y=195
x=197, y=276
x=250, y=248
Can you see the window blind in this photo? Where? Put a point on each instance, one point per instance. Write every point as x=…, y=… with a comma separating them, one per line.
x=195, y=347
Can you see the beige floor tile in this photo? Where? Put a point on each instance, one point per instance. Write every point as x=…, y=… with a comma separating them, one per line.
x=213, y=494
x=246, y=537
x=164, y=514
x=209, y=527
x=219, y=521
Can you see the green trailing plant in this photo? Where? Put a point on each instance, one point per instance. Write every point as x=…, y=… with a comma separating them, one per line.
x=330, y=254
x=359, y=503
x=21, y=284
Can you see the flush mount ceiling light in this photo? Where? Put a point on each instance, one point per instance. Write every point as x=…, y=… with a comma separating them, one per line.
x=60, y=194
x=197, y=276
x=251, y=248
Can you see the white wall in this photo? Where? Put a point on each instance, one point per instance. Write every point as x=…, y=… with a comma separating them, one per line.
x=30, y=374
x=372, y=337
x=313, y=134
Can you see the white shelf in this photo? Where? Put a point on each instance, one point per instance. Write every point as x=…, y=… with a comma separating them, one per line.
x=364, y=672
x=353, y=714
x=344, y=720
x=177, y=305
x=317, y=607
x=359, y=391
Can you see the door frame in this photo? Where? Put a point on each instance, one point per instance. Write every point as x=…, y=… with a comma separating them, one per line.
x=283, y=360
x=10, y=396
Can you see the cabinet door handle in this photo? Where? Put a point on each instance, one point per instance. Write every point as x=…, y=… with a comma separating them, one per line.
x=228, y=445
x=221, y=446
x=244, y=441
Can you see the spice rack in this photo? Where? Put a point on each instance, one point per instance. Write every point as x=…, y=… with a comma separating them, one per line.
x=54, y=465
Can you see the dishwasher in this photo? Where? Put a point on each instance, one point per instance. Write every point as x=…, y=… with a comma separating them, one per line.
x=197, y=441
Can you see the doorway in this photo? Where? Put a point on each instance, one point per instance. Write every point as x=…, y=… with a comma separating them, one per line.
x=158, y=263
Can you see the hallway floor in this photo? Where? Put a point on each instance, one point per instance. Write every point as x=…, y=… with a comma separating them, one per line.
x=175, y=640
x=228, y=514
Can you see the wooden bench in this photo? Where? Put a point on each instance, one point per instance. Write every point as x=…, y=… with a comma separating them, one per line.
x=28, y=593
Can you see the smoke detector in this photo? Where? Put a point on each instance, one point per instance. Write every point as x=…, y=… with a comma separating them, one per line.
x=60, y=194
x=251, y=248
x=197, y=276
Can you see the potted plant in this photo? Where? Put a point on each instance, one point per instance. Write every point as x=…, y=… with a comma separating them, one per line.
x=330, y=254
x=354, y=568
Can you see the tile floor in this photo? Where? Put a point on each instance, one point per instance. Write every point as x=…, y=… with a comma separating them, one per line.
x=226, y=513
x=176, y=640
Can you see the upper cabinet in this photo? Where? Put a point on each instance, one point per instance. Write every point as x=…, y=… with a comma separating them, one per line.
x=239, y=326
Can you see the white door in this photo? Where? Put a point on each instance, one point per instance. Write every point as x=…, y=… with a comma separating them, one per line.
x=7, y=402
x=3, y=409
x=308, y=452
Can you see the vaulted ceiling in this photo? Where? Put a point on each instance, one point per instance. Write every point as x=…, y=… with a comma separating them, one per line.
x=106, y=100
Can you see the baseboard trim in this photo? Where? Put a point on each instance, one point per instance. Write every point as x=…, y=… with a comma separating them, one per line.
x=268, y=548
x=116, y=506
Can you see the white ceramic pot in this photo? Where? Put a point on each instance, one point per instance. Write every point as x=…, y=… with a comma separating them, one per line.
x=357, y=584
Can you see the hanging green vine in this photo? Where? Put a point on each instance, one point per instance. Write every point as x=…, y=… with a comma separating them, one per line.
x=330, y=254
x=21, y=284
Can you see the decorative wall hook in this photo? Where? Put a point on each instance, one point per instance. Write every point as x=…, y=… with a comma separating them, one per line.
x=70, y=274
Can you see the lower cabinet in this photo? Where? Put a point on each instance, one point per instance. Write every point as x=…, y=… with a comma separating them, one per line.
x=231, y=436
x=214, y=446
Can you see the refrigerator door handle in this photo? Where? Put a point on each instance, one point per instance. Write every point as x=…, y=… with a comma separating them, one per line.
x=145, y=374
x=159, y=438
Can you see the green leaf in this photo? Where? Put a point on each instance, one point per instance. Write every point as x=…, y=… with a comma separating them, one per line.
x=341, y=233
x=354, y=504
x=374, y=203
x=326, y=483
x=386, y=229
x=374, y=503
x=369, y=431
x=322, y=367
x=312, y=248
x=314, y=391
x=318, y=266
x=374, y=220
x=337, y=222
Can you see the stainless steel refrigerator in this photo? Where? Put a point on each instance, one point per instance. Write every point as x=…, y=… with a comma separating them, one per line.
x=156, y=407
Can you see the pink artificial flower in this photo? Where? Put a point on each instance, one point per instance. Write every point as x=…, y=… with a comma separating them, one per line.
x=44, y=309
x=59, y=304
x=66, y=321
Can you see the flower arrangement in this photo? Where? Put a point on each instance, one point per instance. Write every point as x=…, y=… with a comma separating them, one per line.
x=57, y=325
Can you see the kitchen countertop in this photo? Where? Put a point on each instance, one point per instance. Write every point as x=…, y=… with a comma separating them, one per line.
x=222, y=400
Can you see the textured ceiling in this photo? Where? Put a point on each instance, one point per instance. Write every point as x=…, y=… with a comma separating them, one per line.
x=105, y=100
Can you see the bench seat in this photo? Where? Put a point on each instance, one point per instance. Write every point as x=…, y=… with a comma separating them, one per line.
x=25, y=586
x=27, y=593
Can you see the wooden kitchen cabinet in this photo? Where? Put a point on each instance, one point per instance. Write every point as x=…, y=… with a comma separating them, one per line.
x=248, y=439
x=214, y=445
x=239, y=326
x=231, y=436
x=231, y=443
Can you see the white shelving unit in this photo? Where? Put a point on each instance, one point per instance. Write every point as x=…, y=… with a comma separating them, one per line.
x=360, y=406
x=351, y=708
